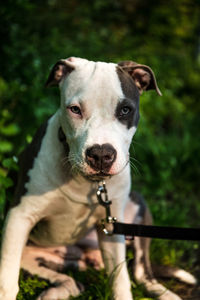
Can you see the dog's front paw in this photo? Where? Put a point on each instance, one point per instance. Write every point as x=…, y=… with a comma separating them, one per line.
x=63, y=290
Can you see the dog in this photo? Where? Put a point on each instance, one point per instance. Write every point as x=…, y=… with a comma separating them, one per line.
x=86, y=141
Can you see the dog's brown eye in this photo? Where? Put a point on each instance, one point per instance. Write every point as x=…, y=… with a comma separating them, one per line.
x=75, y=109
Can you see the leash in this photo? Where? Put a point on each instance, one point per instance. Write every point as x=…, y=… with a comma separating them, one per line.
x=110, y=225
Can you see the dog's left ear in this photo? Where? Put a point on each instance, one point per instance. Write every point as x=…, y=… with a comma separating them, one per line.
x=61, y=69
x=142, y=75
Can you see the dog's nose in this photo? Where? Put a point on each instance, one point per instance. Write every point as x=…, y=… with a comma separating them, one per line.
x=101, y=157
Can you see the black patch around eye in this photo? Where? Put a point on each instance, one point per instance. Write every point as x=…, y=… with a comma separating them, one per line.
x=131, y=95
x=127, y=112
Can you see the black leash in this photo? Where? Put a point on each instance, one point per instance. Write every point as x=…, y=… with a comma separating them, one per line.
x=110, y=225
x=159, y=232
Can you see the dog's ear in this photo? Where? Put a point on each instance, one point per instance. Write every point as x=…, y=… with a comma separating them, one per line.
x=142, y=75
x=61, y=69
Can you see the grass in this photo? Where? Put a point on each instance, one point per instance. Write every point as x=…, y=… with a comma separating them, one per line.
x=96, y=284
x=30, y=286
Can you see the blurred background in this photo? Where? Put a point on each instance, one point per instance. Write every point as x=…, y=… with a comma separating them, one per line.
x=162, y=34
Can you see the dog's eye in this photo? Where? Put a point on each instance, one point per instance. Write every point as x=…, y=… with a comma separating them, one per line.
x=125, y=110
x=75, y=110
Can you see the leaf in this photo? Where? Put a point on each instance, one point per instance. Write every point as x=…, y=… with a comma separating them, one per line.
x=5, y=146
x=10, y=163
x=10, y=130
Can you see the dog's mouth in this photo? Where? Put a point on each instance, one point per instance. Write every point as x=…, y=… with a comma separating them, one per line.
x=103, y=174
x=98, y=176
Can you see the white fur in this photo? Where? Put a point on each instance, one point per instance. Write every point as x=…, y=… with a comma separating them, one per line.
x=98, y=126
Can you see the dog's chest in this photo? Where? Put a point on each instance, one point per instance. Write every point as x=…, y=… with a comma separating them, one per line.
x=66, y=225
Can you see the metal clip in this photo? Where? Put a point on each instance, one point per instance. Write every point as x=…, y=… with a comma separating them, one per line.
x=100, y=191
x=109, y=220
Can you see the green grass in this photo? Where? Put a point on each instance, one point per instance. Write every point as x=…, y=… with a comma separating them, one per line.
x=96, y=283
x=30, y=286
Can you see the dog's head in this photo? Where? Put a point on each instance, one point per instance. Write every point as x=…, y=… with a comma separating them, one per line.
x=100, y=111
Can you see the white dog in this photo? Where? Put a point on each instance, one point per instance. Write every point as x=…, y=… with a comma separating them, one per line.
x=85, y=141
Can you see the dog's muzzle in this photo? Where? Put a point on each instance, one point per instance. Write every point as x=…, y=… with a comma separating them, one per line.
x=101, y=157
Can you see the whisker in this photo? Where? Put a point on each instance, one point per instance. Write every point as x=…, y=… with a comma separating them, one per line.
x=73, y=160
x=135, y=160
x=136, y=143
x=132, y=148
x=135, y=168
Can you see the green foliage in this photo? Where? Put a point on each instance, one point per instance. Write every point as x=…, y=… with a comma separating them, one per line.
x=95, y=283
x=8, y=165
x=96, y=286
x=30, y=287
x=163, y=34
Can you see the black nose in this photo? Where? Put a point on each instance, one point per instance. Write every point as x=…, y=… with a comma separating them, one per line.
x=101, y=157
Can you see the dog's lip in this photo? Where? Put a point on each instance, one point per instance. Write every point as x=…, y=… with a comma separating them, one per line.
x=98, y=176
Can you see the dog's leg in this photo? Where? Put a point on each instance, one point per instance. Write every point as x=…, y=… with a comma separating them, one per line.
x=17, y=227
x=59, y=258
x=113, y=250
x=142, y=268
x=47, y=263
